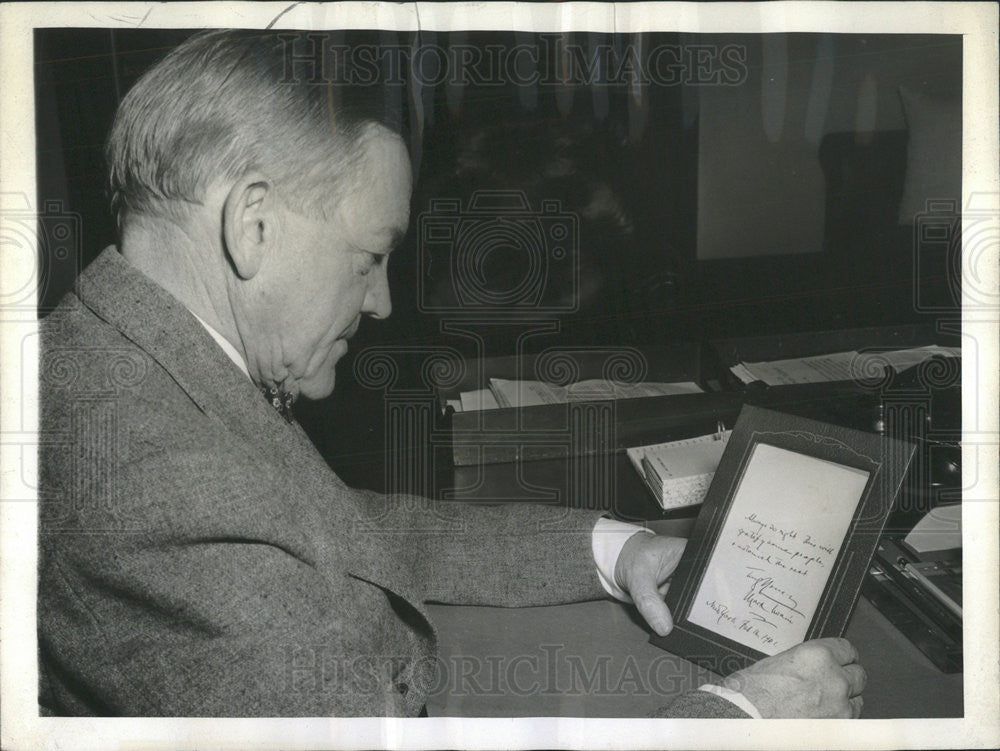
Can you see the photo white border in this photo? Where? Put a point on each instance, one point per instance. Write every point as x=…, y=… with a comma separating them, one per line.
x=22, y=728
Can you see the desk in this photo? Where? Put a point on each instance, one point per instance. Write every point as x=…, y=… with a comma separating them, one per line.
x=562, y=483
x=593, y=659
x=604, y=478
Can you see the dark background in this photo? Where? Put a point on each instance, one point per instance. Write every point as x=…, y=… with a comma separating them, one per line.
x=624, y=164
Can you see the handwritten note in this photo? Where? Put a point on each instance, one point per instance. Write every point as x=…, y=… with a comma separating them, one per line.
x=777, y=548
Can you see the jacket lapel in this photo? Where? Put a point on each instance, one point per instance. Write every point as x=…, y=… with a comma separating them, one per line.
x=160, y=325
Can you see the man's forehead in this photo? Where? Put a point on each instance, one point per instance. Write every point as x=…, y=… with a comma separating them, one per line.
x=377, y=202
x=376, y=215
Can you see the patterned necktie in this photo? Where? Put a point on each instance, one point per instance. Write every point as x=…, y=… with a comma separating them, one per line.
x=281, y=400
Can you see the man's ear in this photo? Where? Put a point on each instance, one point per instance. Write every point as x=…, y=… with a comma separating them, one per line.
x=251, y=223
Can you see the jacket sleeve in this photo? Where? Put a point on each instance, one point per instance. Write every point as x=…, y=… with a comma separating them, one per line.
x=701, y=705
x=509, y=555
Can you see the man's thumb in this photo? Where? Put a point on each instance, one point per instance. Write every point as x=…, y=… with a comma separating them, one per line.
x=652, y=608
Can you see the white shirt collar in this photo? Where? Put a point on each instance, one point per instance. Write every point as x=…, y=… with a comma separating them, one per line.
x=226, y=345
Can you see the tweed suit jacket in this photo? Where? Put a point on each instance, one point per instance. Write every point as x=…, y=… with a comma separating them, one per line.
x=198, y=557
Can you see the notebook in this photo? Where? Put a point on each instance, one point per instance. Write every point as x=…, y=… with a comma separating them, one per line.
x=678, y=473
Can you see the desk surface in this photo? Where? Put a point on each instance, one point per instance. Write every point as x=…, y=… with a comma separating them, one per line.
x=593, y=659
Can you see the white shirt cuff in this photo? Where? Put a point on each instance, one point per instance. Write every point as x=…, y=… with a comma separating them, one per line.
x=609, y=537
x=735, y=697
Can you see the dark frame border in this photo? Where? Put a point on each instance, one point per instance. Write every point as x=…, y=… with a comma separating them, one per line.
x=885, y=459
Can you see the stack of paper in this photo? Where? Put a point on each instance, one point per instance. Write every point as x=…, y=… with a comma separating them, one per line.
x=678, y=473
x=939, y=529
x=478, y=400
x=838, y=366
x=533, y=393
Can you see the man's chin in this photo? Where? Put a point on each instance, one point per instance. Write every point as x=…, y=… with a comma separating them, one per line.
x=320, y=384
x=318, y=387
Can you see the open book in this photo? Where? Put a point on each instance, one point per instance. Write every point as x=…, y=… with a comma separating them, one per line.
x=678, y=473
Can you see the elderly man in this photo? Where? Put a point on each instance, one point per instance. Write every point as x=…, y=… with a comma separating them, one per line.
x=193, y=542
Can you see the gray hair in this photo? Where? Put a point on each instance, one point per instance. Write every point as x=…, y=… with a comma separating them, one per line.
x=219, y=105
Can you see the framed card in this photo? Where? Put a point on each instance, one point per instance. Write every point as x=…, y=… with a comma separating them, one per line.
x=781, y=545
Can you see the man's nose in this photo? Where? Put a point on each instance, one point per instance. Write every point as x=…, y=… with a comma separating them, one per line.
x=378, y=300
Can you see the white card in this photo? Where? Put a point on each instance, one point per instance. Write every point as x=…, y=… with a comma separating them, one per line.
x=777, y=548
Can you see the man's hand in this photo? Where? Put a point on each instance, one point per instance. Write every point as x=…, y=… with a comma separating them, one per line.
x=643, y=568
x=818, y=678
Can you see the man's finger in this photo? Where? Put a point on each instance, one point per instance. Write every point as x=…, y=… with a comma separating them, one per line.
x=857, y=678
x=856, y=703
x=652, y=608
x=841, y=649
